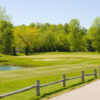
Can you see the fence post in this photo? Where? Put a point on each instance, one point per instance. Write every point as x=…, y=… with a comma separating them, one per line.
x=82, y=73
x=99, y=70
x=64, y=80
x=95, y=73
x=37, y=87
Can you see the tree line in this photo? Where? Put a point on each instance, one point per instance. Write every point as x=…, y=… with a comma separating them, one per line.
x=38, y=37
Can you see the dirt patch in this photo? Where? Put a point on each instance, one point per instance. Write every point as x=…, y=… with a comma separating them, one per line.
x=46, y=59
x=62, y=69
x=73, y=59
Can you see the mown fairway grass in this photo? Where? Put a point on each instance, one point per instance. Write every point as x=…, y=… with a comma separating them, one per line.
x=70, y=64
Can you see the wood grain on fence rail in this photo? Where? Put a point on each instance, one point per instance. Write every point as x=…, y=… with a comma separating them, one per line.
x=22, y=90
x=73, y=78
x=82, y=73
x=99, y=70
x=88, y=74
x=95, y=73
x=51, y=83
x=64, y=80
x=37, y=87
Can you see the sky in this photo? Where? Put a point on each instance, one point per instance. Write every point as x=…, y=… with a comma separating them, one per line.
x=52, y=11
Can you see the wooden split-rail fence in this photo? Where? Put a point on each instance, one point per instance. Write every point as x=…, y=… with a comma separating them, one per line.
x=63, y=80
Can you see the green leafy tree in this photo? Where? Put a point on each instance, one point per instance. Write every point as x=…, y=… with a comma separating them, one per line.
x=44, y=27
x=24, y=36
x=32, y=25
x=3, y=15
x=94, y=33
x=66, y=27
x=88, y=44
x=75, y=35
x=13, y=51
x=62, y=42
x=26, y=51
x=6, y=36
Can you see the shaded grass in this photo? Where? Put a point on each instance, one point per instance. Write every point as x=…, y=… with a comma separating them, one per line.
x=3, y=60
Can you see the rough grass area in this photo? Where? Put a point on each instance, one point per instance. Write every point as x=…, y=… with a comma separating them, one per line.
x=70, y=64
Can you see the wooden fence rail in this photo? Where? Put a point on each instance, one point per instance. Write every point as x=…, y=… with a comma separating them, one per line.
x=63, y=80
x=50, y=83
x=18, y=91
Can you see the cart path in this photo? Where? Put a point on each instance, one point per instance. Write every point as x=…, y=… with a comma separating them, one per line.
x=87, y=92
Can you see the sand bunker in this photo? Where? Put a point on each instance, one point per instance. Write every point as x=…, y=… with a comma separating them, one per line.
x=46, y=59
x=73, y=59
x=52, y=59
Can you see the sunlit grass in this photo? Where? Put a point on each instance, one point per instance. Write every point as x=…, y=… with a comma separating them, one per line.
x=70, y=64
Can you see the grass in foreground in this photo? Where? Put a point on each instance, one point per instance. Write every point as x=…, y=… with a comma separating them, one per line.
x=70, y=64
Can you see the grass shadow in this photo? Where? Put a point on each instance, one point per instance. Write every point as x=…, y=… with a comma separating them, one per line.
x=69, y=87
x=3, y=60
